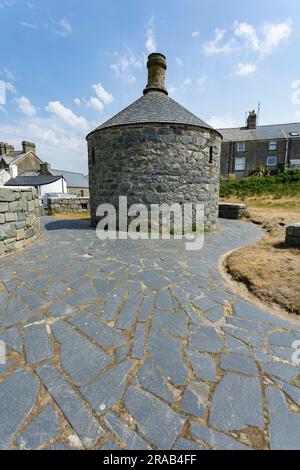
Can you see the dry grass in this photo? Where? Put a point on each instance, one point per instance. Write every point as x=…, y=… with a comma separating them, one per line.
x=269, y=268
x=73, y=216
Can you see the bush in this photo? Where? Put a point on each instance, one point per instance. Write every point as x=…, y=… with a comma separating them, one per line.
x=284, y=184
x=260, y=172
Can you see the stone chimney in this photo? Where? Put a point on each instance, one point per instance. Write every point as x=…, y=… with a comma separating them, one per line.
x=45, y=169
x=252, y=120
x=157, y=66
x=6, y=149
x=28, y=147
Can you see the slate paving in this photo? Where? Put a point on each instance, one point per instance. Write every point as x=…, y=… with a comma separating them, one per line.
x=140, y=345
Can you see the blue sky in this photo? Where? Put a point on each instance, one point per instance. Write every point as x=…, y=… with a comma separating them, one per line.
x=69, y=65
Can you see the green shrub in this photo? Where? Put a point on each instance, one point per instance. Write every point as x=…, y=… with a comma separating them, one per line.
x=284, y=184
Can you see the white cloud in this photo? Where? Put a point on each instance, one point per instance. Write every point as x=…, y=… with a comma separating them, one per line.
x=25, y=106
x=66, y=115
x=102, y=94
x=296, y=92
x=216, y=46
x=150, y=39
x=222, y=122
x=271, y=36
x=245, y=69
x=125, y=66
x=28, y=25
x=195, y=34
x=95, y=103
x=65, y=28
x=179, y=61
x=181, y=87
x=7, y=73
x=77, y=101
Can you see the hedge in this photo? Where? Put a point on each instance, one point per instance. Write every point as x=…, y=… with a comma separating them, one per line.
x=285, y=184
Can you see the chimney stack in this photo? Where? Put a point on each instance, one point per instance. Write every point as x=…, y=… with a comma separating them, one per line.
x=45, y=169
x=6, y=149
x=252, y=120
x=28, y=147
x=157, y=66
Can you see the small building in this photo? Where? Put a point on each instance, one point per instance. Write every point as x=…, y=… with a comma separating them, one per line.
x=245, y=148
x=77, y=183
x=45, y=184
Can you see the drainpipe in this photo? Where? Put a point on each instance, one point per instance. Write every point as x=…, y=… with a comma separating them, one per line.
x=286, y=147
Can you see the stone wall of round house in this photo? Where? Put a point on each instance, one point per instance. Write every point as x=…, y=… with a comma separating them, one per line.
x=155, y=164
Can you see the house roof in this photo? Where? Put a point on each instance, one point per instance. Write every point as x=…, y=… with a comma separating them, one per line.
x=271, y=132
x=154, y=107
x=15, y=156
x=39, y=180
x=74, y=180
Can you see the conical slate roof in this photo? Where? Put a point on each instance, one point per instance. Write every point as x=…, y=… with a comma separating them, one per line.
x=155, y=106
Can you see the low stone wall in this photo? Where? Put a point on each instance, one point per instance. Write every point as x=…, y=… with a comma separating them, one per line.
x=232, y=211
x=68, y=205
x=19, y=218
x=293, y=235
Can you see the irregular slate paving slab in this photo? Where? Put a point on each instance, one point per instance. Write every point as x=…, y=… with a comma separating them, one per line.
x=139, y=342
x=291, y=391
x=156, y=421
x=16, y=312
x=174, y=323
x=167, y=354
x=146, y=309
x=113, y=304
x=80, y=359
x=131, y=440
x=204, y=304
x=5, y=367
x=195, y=399
x=59, y=446
x=283, y=371
x=108, y=388
x=285, y=354
x=283, y=339
x=150, y=378
x=184, y=444
x=97, y=330
x=128, y=313
x=216, y=439
x=237, y=403
x=12, y=339
x=284, y=427
x=110, y=445
x=246, y=310
x=104, y=288
x=164, y=301
x=254, y=326
x=152, y=278
x=80, y=418
x=236, y=346
x=205, y=339
x=61, y=309
x=18, y=395
x=215, y=315
x=122, y=353
x=251, y=339
x=85, y=295
x=44, y=427
x=38, y=346
x=238, y=363
x=203, y=365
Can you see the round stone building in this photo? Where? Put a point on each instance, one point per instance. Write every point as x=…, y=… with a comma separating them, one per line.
x=155, y=151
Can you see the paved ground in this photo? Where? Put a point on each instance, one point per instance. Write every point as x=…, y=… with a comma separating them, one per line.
x=140, y=345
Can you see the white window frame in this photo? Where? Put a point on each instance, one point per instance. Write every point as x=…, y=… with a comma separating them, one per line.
x=237, y=164
x=274, y=157
x=273, y=145
x=240, y=146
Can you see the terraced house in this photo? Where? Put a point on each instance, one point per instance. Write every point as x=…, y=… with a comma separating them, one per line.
x=245, y=148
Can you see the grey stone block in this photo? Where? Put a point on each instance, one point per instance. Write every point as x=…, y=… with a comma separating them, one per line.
x=38, y=346
x=131, y=440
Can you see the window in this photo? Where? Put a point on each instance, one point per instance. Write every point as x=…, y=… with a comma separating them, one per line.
x=240, y=164
x=294, y=134
x=211, y=154
x=273, y=145
x=271, y=161
x=241, y=147
x=93, y=156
